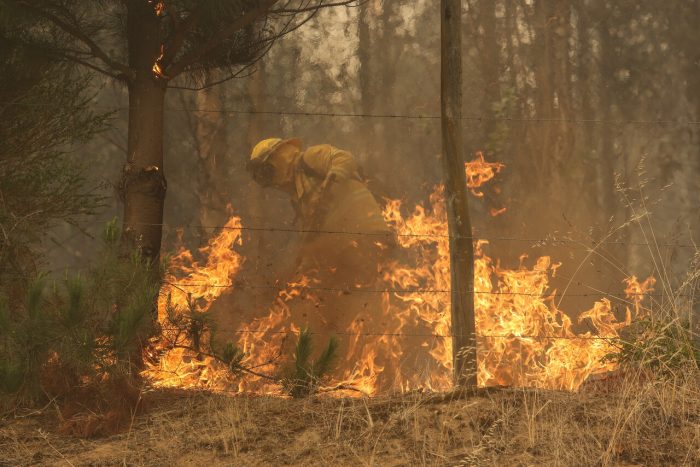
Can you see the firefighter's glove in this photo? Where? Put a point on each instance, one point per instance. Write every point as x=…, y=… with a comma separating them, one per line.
x=325, y=186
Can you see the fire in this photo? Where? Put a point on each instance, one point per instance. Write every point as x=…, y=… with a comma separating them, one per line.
x=479, y=172
x=192, y=288
x=523, y=338
x=158, y=7
x=157, y=69
x=494, y=212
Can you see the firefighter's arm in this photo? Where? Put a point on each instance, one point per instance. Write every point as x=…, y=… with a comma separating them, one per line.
x=331, y=163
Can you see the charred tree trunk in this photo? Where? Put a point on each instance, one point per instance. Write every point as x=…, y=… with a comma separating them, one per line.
x=143, y=183
x=461, y=247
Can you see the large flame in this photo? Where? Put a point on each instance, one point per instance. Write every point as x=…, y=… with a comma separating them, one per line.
x=190, y=288
x=523, y=338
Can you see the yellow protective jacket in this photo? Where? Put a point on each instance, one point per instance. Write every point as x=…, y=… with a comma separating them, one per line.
x=346, y=205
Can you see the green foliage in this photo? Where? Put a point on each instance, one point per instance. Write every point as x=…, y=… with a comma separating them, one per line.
x=665, y=347
x=194, y=331
x=45, y=111
x=85, y=328
x=304, y=378
x=231, y=355
x=105, y=23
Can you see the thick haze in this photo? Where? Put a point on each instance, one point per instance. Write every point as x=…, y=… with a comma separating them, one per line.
x=578, y=99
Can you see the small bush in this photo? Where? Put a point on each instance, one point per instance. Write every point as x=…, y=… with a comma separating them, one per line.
x=663, y=346
x=78, y=341
x=303, y=379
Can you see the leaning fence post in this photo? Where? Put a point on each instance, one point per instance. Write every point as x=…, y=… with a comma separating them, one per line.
x=459, y=224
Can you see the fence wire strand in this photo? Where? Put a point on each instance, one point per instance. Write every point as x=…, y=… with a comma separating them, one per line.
x=545, y=241
x=401, y=334
x=389, y=290
x=398, y=116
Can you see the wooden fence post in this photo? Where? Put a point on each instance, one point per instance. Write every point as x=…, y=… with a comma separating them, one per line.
x=461, y=247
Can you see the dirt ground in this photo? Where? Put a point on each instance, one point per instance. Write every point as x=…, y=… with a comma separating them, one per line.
x=628, y=421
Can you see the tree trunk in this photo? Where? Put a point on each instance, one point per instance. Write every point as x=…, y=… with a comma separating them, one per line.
x=461, y=247
x=563, y=85
x=366, y=73
x=211, y=140
x=607, y=154
x=257, y=195
x=540, y=134
x=584, y=75
x=490, y=65
x=143, y=183
x=511, y=30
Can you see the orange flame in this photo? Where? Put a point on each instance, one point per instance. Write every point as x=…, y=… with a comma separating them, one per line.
x=191, y=287
x=523, y=338
x=158, y=7
x=157, y=69
x=493, y=212
x=479, y=172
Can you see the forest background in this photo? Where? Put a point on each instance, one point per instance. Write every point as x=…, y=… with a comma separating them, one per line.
x=593, y=107
x=584, y=102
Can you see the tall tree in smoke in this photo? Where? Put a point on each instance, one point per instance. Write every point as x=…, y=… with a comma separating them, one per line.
x=148, y=45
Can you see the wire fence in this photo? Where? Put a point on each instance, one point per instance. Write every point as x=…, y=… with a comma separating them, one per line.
x=546, y=241
x=347, y=291
x=313, y=288
x=543, y=241
x=405, y=334
x=588, y=245
x=341, y=290
x=399, y=116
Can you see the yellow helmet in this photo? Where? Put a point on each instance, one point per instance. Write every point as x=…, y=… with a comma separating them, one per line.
x=264, y=149
x=262, y=171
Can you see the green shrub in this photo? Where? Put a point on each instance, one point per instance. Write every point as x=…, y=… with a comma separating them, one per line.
x=304, y=377
x=663, y=346
x=80, y=331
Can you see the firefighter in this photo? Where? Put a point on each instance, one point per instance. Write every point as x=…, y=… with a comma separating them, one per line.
x=341, y=221
x=345, y=242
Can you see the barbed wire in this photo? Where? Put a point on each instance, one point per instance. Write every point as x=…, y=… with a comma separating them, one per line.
x=401, y=334
x=348, y=291
x=546, y=241
x=399, y=116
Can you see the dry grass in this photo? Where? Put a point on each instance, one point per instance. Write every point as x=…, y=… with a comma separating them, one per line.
x=630, y=420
